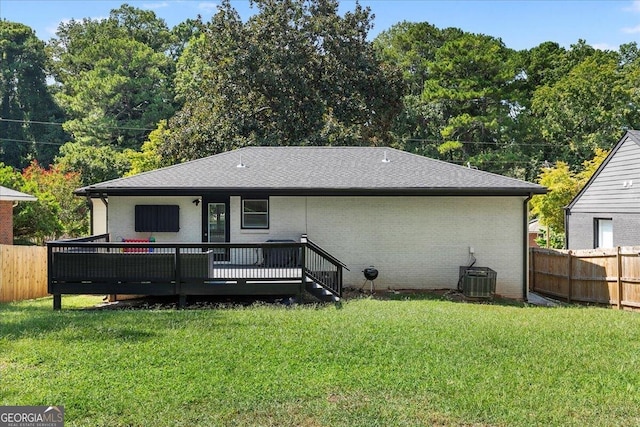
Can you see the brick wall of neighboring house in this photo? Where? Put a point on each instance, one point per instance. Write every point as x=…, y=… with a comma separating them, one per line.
x=6, y=222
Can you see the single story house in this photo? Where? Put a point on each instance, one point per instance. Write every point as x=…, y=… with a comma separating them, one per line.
x=416, y=219
x=8, y=199
x=606, y=212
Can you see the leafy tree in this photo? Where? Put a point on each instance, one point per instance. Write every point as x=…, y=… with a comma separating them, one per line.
x=582, y=110
x=60, y=214
x=148, y=158
x=563, y=185
x=463, y=98
x=56, y=212
x=26, y=105
x=116, y=83
x=115, y=76
x=95, y=164
x=295, y=72
x=412, y=47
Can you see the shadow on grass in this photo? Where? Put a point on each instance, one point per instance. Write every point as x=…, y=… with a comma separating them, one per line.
x=133, y=320
x=449, y=295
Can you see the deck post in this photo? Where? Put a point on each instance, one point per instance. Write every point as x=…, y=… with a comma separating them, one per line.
x=303, y=262
x=182, y=301
x=57, y=301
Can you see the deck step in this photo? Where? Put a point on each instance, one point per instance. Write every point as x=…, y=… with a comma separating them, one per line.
x=320, y=292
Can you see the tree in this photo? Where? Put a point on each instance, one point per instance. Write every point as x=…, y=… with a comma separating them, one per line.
x=115, y=76
x=582, y=110
x=95, y=164
x=56, y=212
x=295, y=72
x=563, y=185
x=463, y=99
x=116, y=83
x=148, y=158
x=68, y=215
x=26, y=105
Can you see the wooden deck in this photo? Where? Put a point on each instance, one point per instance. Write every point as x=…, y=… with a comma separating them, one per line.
x=98, y=268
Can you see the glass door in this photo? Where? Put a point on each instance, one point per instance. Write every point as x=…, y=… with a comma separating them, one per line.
x=217, y=214
x=215, y=225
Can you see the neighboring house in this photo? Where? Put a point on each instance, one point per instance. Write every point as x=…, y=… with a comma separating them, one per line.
x=8, y=198
x=414, y=218
x=606, y=212
x=534, y=233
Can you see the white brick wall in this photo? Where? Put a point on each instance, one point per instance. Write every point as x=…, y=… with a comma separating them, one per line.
x=415, y=242
x=122, y=218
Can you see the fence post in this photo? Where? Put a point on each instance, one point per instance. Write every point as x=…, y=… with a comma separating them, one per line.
x=569, y=276
x=619, y=260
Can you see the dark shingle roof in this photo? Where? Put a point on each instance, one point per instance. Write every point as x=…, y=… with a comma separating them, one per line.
x=316, y=170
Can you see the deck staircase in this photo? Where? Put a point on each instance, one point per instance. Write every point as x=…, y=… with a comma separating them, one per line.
x=322, y=273
x=319, y=291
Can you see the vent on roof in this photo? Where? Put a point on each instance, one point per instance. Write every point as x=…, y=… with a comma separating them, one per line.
x=241, y=165
x=385, y=159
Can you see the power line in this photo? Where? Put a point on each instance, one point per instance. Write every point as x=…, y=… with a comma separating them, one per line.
x=30, y=121
x=60, y=124
x=501, y=144
x=60, y=144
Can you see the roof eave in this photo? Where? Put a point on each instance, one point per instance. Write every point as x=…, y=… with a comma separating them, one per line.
x=279, y=191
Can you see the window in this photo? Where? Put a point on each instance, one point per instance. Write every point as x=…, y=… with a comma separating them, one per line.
x=255, y=213
x=603, y=233
x=157, y=218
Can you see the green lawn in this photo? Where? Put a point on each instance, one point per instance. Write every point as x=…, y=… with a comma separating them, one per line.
x=404, y=362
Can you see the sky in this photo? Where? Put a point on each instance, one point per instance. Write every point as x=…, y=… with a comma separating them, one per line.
x=521, y=24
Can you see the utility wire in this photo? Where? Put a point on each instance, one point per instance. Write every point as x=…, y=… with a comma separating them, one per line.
x=32, y=142
x=60, y=124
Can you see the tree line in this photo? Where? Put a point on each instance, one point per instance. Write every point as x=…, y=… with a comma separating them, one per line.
x=117, y=96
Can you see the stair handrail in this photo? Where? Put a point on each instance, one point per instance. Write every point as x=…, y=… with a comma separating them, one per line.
x=304, y=239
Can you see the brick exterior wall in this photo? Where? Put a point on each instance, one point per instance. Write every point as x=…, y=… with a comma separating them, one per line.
x=626, y=229
x=415, y=242
x=6, y=222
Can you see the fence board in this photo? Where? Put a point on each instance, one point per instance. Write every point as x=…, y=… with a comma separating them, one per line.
x=603, y=276
x=23, y=272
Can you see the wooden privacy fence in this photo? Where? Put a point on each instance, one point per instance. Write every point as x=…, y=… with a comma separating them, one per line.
x=23, y=272
x=602, y=276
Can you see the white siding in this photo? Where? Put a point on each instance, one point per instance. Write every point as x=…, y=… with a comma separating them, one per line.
x=122, y=219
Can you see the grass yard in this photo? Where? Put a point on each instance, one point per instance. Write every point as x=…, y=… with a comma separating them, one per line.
x=405, y=362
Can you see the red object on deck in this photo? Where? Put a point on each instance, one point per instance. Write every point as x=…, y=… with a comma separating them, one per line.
x=136, y=241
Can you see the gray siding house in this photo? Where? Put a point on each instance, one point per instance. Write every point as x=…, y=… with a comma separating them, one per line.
x=606, y=212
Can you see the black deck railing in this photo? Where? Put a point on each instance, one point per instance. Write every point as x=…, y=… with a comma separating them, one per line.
x=322, y=267
x=96, y=266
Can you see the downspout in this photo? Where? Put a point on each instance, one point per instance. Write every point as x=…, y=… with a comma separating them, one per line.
x=90, y=215
x=567, y=212
x=525, y=247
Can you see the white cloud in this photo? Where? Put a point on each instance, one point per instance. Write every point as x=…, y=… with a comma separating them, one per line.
x=208, y=6
x=635, y=7
x=631, y=30
x=604, y=46
x=158, y=5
